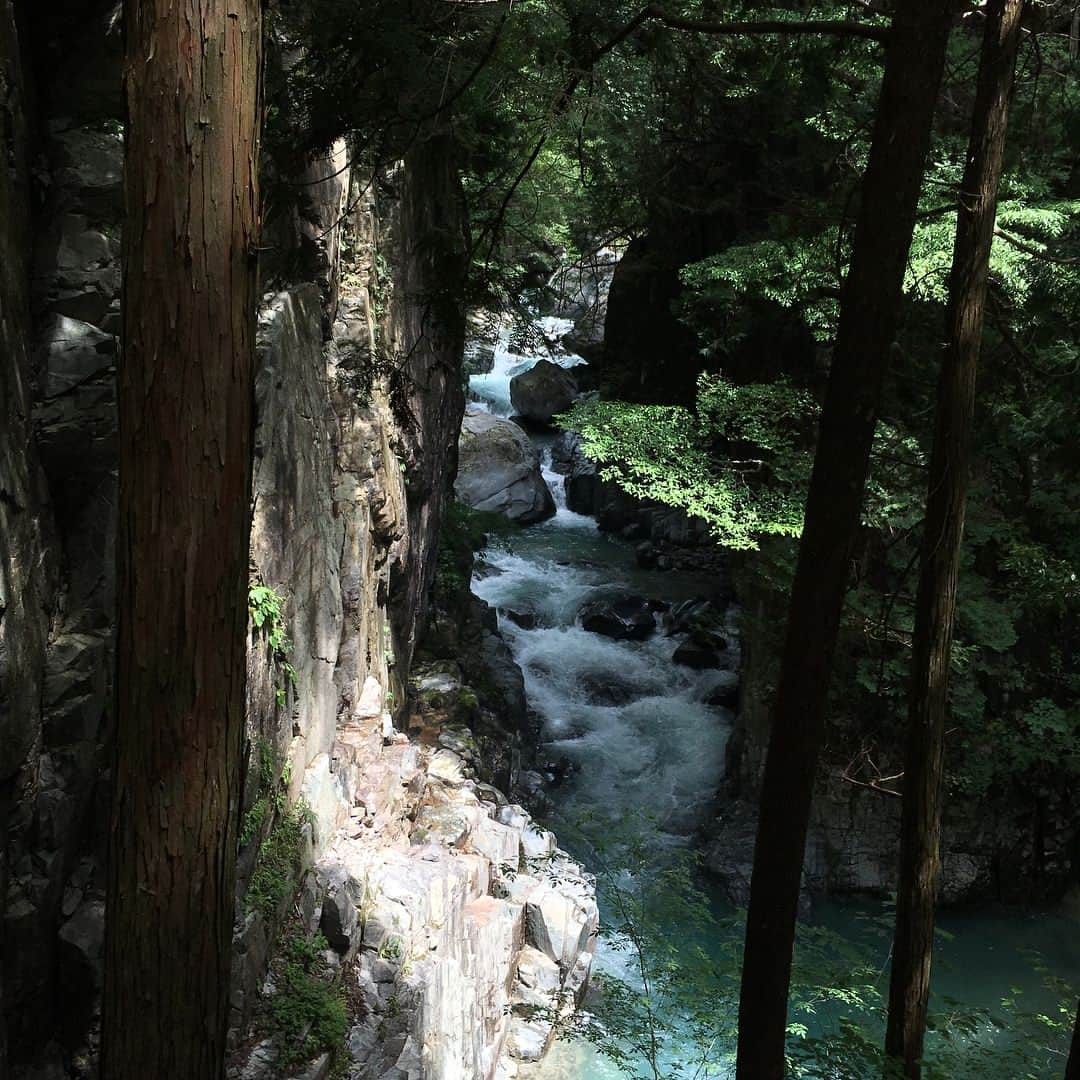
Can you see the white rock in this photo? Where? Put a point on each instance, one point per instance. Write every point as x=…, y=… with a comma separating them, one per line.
x=537, y=970
x=514, y=816
x=371, y=699
x=323, y=793
x=498, y=843
x=446, y=766
x=559, y=921
x=538, y=844
x=529, y=1037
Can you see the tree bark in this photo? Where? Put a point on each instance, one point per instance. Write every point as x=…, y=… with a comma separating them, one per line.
x=869, y=309
x=935, y=605
x=185, y=392
x=1072, y=1067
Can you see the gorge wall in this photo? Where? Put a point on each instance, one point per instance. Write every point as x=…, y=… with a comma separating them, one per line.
x=359, y=399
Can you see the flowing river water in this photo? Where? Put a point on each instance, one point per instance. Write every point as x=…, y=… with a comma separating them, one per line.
x=636, y=735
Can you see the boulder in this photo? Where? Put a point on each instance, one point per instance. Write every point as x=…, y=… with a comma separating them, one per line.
x=73, y=352
x=627, y=618
x=692, y=655
x=339, y=914
x=694, y=615
x=560, y=918
x=499, y=469
x=586, y=492
x=543, y=391
x=645, y=555
x=564, y=451
x=527, y=620
x=703, y=623
x=725, y=696
x=607, y=688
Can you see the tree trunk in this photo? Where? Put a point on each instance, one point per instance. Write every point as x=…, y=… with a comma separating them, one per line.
x=935, y=605
x=1072, y=1067
x=869, y=308
x=185, y=393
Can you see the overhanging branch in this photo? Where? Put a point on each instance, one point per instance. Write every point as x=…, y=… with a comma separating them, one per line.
x=835, y=27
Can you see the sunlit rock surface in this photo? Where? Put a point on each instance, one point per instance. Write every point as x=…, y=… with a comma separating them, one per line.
x=499, y=469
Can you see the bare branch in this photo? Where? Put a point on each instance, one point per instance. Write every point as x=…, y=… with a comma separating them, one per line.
x=835, y=27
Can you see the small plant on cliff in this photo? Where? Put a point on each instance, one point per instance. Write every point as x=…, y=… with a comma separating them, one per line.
x=266, y=609
x=307, y=1010
x=278, y=861
x=273, y=791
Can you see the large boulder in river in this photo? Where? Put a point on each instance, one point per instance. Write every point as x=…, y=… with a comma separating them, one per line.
x=499, y=469
x=626, y=618
x=543, y=391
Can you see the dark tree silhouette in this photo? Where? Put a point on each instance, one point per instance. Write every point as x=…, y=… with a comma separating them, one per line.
x=870, y=301
x=185, y=413
x=1072, y=1067
x=935, y=606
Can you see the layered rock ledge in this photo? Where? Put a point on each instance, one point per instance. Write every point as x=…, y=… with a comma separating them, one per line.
x=463, y=934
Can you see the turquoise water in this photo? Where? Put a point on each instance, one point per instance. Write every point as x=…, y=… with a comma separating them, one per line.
x=635, y=735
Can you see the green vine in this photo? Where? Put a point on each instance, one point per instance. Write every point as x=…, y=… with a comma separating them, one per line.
x=278, y=861
x=273, y=792
x=267, y=611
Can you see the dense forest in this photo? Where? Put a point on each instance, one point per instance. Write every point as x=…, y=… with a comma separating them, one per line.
x=539, y=539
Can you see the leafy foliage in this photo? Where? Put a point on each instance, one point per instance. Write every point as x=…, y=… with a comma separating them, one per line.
x=739, y=459
x=278, y=861
x=266, y=609
x=306, y=1010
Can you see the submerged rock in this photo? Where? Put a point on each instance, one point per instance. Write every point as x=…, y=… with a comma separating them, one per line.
x=700, y=657
x=543, y=391
x=725, y=696
x=527, y=620
x=699, y=615
x=499, y=470
x=628, y=618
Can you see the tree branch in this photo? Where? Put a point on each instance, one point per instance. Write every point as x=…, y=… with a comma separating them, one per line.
x=835, y=27
x=1034, y=252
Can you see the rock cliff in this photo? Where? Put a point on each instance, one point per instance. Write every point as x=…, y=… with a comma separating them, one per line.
x=359, y=400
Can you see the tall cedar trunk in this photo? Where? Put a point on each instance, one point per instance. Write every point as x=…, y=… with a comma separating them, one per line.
x=935, y=607
x=185, y=415
x=1072, y=1067
x=869, y=308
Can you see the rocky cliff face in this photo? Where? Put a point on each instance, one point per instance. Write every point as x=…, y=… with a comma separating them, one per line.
x=359, y=400
x=28, y=578
x=59, y=297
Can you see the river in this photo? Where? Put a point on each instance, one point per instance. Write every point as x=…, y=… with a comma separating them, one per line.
x=634, y=734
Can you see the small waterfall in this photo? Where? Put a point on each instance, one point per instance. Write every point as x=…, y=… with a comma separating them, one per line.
x=541, y=342
x=633, y=728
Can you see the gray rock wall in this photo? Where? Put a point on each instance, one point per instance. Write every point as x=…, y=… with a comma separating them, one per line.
x=58, y=466
x=421, y=344
x=27, y=571
x=349, y=483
